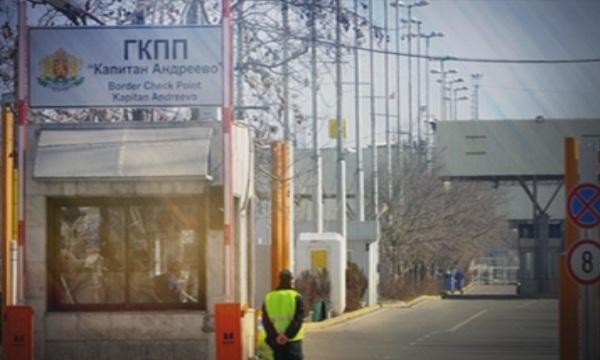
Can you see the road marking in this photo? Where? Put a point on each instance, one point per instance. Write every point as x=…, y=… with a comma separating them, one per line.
x=458, y=326
x=526, y=304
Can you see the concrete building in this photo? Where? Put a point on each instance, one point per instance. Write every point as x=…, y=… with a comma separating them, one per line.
x=525, y=159
x=124, y=252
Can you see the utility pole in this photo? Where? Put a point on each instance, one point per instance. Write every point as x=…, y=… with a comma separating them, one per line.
x=442, y=91
x=341, y=168
x=192, y=19
x=475, y=97
x=418, y=36
x=399, y=154
x=239, y=81
x=428, y=38
x=318, y=190
x=450, y=100
x=288, y=138
x=360, y=201
x=386, y=82
x=139, y=19
x=410, y=118
x=373, y=117
x=286, y=71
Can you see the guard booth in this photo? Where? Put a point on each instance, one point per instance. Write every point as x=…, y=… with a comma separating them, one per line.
x=125, y=239
x=525, y=154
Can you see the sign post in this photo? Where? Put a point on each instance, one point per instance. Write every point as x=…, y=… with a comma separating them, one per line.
x=583, y=260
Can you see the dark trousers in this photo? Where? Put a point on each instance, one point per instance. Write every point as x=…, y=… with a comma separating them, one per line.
x=289, y=351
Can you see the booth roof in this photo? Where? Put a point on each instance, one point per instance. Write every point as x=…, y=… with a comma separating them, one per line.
x=123, y=152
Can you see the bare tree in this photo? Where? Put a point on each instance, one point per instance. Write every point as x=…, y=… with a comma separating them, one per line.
x=438, y=225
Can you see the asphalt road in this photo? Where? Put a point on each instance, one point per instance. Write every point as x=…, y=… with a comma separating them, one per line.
x=488, y=323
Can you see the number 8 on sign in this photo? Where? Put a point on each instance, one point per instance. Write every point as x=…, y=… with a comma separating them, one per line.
x=584, y=262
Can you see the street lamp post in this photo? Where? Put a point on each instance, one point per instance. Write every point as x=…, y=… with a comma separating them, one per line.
x=456, y=99
x=359, y=153
x=374, y=157
x=442, y=81
x=475, y=97
x=399, y=156
x=449, y=98
x=388, y=130
x=428, y=38
x=410, y=20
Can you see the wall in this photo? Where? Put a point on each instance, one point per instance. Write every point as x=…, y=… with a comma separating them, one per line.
x=116, y=335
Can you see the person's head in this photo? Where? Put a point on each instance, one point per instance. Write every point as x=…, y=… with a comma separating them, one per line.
x=285, y=279
x=175, y=267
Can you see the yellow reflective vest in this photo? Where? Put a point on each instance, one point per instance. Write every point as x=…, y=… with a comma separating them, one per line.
x=281, y=308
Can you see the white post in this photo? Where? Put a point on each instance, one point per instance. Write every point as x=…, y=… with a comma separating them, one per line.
x=374, y=154
x=386, y=82
x=318, y=190
x=442, y=91
x=360, y=173
x=399, y=153
x=341, y=169
x=409, y=37
x=419, y=112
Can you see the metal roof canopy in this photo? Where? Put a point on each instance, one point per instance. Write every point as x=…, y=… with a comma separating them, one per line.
x=508, y=149
x=122, y=151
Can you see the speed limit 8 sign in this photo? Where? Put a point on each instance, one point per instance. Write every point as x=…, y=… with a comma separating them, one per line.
x=584, y=262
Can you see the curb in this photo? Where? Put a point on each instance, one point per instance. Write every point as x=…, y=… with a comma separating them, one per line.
x=340, y=319
x=413, y=302
x=310, y=326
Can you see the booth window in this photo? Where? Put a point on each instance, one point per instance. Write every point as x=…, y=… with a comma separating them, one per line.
x=126, y=254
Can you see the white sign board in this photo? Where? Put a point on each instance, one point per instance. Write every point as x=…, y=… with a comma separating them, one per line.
x=584, y=262
x=126, y=66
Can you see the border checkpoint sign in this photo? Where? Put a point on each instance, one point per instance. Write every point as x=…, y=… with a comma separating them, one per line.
x=584, y=205
x=584, y=262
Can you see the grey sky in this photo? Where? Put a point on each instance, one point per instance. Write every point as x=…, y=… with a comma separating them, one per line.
x=499, y=29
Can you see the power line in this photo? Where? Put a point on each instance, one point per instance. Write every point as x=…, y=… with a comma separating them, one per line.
x=465, y=59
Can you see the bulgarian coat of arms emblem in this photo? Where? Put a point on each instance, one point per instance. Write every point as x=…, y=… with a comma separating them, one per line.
x=60, y=71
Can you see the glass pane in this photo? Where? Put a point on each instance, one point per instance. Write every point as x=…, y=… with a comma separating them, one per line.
x=163, y=254
x=87, y=270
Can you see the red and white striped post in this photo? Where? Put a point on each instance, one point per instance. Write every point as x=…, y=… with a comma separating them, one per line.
x=23, y=107
x=227, y=113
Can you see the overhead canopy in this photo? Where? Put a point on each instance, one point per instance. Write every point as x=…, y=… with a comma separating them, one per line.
x=121, y=153
x=509, y=149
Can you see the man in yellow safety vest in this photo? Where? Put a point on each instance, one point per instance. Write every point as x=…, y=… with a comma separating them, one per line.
x=283, y=313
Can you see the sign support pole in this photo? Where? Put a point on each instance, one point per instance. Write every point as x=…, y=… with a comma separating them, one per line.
x=568, y=294
x=7, y=209
x=228, y=151
x=23, y=109
x=589, y=293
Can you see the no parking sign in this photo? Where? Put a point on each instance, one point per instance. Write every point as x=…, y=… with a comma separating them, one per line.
x=584, y=205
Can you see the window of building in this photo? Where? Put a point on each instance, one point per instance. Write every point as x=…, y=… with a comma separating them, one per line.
x=135, y=253
x=526, y=231
x=555, y=230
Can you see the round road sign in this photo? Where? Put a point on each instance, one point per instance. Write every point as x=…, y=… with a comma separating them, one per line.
x=584, y=262
x=584, y=205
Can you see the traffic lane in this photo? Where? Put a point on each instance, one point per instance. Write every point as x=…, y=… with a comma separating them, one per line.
x=504, y=330
x=385, y=333
x=448, y=329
